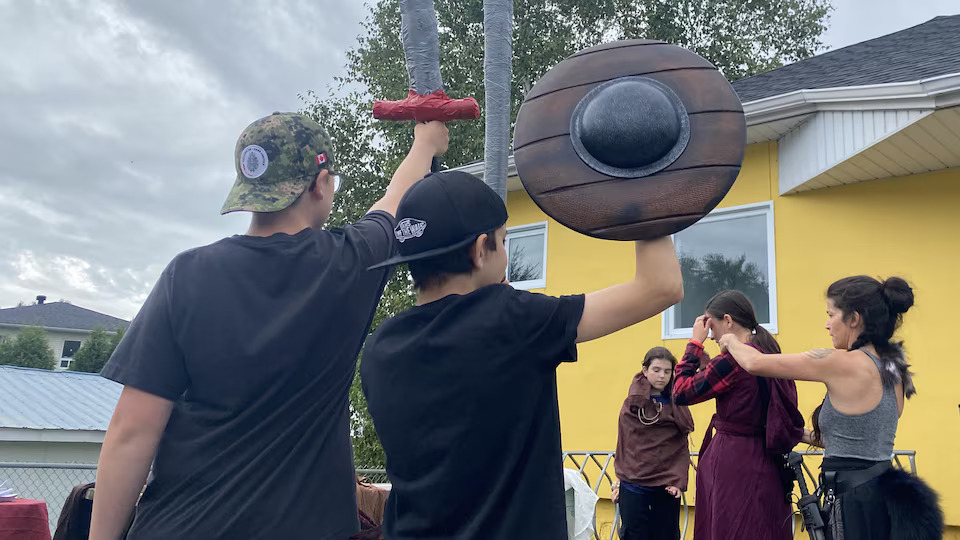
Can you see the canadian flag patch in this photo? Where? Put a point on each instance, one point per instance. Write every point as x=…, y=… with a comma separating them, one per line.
x=321, y=158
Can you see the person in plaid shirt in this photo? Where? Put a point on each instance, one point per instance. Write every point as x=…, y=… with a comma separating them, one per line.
x=740, y=490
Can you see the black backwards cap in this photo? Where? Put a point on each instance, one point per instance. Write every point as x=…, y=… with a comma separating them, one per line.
x=444, y=212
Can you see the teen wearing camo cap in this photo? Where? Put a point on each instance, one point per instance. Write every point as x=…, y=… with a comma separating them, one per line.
x=236, y=369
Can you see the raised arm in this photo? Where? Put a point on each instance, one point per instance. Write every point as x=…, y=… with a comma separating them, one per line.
x=697, y=379
x=429, y=139
x=656, y=285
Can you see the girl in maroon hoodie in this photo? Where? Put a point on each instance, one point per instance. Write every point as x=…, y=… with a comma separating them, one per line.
x=653, y=457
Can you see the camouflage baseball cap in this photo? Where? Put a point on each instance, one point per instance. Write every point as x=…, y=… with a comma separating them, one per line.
x=276, y=158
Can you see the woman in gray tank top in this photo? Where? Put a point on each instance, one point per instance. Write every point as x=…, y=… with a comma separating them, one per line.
x=867, y=379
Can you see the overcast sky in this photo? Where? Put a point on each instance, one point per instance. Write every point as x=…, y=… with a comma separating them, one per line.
x=118, y=122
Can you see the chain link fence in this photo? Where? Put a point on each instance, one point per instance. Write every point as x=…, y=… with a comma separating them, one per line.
x=48, y=482
x=52, y=482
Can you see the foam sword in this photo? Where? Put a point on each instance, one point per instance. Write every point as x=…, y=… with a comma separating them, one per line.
x=426, y=101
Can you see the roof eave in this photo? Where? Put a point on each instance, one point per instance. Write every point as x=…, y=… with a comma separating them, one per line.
x=23, y=434
x=933, y=93
x=55, y=329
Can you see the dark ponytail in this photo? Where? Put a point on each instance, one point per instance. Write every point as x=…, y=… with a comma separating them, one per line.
x=738, y=306
x=881, y=306
x=764, y=340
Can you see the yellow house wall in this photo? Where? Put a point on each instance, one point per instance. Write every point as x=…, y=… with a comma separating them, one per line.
x=903, y=226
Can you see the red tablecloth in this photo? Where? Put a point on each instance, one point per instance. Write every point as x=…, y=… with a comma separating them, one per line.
x=24, y=519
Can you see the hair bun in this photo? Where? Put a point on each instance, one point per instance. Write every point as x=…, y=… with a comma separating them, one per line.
x=898, y=294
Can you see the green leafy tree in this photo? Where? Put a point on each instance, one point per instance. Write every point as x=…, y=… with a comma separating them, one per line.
x=741, y=37
x=115, y=340
x=364, y=167
x=94, y=352
x=6, y=349
x=29, y=349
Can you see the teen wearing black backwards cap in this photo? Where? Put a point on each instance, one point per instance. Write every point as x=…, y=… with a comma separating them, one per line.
x=462, y=386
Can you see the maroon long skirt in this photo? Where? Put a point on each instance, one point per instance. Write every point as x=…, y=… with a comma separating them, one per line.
x=739, y=495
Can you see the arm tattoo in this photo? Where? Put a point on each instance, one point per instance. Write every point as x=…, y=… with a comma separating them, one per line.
x=818, y=354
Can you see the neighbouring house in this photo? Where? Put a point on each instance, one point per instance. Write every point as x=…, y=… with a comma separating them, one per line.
x=852, y=167
x=66, y=325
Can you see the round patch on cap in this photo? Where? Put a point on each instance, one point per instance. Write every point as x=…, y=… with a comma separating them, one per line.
x=253, y=161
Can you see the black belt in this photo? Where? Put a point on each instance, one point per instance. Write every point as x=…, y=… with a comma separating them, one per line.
x=842, y=481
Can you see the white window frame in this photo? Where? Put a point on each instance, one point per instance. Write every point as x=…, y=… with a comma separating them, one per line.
x=765, y=209
x=521, y=231
x=67, y=359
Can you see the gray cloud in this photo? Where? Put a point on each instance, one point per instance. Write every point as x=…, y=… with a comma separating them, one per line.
x=118, y=121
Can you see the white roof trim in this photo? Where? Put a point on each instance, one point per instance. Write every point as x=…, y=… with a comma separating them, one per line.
x=51, y=435
x=55, y=329
x=934, y=93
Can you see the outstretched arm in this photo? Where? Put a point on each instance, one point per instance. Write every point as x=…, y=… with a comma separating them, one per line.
x=429, y=139
x=817, y=365
x=656, y=285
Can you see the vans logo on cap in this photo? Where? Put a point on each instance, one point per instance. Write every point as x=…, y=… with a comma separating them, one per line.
x=409, y=228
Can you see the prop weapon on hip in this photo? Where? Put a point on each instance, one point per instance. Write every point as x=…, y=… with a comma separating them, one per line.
x=808, y=504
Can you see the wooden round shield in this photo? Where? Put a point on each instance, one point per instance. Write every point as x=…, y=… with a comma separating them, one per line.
x=630, y=140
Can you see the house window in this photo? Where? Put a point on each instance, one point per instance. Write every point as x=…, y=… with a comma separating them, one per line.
x=527, y=256
x=731, y=248
x=70, y=348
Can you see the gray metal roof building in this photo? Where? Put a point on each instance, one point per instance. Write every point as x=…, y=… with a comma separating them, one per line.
x=64, y=405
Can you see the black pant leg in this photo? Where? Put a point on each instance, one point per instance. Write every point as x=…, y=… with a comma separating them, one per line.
x=666, y=517
x=635, y=516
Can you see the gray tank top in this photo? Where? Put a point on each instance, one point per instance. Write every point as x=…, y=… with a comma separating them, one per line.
x=864, y=436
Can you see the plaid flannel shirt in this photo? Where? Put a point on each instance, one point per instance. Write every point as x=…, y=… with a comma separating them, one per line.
x=694, y=385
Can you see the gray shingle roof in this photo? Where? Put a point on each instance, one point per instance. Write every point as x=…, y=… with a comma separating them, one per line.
x=67, y=400
x=60, y=315
x=923, y=51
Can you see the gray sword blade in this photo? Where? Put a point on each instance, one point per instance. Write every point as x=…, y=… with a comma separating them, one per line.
x=421, y=45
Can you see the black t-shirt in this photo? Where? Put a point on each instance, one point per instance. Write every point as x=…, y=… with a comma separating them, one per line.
x=463, y=394
x=256, y=342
